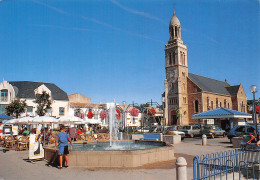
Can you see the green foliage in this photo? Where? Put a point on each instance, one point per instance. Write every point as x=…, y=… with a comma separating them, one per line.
x=43, y=103
x=144, y=105
x=160, y=106
x=16, y=107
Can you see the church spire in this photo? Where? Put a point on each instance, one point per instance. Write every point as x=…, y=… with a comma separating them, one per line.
x=175, y=27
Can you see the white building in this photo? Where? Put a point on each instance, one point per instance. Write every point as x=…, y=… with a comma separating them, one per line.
x=133, y=121
x=26, y=90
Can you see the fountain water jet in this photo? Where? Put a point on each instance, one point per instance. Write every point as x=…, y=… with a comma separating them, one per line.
x=113, y=125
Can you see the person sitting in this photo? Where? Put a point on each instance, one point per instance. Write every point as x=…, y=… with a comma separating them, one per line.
x=25, y=132
x=79, y=133
x=253, y=139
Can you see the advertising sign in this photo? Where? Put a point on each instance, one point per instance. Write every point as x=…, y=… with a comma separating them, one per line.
x=210, y=121
x=14, y=130
x=36, y=150
x=241, y=122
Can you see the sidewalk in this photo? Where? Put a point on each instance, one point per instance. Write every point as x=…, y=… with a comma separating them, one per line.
x=13, y=165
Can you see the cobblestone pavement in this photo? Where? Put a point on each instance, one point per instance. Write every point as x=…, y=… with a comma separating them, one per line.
x=13, y=165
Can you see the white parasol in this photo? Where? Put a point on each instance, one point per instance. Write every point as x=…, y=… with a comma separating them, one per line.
x=44, y=120
x=92, y=121
x=24, y=120
x=69, y=120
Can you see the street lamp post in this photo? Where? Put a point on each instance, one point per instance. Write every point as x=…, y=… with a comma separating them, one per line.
x=254, y=90
x=163, y=121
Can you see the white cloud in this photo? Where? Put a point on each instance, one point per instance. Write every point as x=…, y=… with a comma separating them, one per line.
x=92, y=20
x=133, y=11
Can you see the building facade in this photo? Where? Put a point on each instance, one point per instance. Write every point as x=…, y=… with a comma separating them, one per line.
x=27, y=90
x=187, y=93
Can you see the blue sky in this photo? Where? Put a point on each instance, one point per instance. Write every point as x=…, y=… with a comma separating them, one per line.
x=106, y=49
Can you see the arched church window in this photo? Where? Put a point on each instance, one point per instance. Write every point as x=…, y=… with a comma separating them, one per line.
x=216, y=102
x=228, y=105
x=173, y=58
x=225, y=103
x=196, y=106
x=183, y=58
x=183, y=74
x=171, y=32
x=220, y=104
x=167, y=59
x=184, y=99
x=176, y=31
x=170, y=58
x=208, y=103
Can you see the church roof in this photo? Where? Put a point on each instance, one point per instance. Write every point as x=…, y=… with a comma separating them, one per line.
x=210, y=85
x=233, y=89
x=175, y=21
x=25, y=89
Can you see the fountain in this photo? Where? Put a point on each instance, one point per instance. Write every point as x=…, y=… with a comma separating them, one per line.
x=116, y=153
x=113, y=125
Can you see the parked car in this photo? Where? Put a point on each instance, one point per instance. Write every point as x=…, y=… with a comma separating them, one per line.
x=191, y=130
x=145, y=129
x=237, y=131
x=212, y=131
x=172, y=130
x=156, y=129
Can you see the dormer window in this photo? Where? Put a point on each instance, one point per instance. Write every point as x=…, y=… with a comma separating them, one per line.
x=4, y=95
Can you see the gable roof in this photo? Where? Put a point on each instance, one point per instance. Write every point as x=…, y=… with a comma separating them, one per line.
x=25, y=89
x=233, y=90
x=210, y=85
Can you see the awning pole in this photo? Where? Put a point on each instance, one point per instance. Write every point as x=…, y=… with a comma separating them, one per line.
x=231, y=123
x=199, y=123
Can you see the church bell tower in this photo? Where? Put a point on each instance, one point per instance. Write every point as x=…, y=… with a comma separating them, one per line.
x=176, y=99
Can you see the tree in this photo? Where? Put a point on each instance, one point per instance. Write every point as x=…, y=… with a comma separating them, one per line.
x=44, y=103
x=144, y=105
x=160, y=106
x=16, y=108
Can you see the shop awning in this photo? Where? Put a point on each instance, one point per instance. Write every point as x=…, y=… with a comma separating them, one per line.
x=221, y=113
x=4, y=117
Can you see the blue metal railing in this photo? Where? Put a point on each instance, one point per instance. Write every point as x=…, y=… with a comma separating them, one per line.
x=227, y=165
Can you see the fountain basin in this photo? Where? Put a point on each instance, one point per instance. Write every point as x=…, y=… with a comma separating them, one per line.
x=116, y=158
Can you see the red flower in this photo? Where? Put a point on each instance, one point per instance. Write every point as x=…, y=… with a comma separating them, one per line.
x=80, y=115
x=118, y=115
x=90, y=115
x=134, y=112
x=103, y=114
x=151, y=111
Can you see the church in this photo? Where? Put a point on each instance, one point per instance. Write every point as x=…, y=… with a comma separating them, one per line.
x=187, y=93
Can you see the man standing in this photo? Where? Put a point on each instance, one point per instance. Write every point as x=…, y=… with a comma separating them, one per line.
x=63, y=138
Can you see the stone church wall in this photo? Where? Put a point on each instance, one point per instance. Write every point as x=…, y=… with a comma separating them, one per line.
x=194, y=93
x=241, y=100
